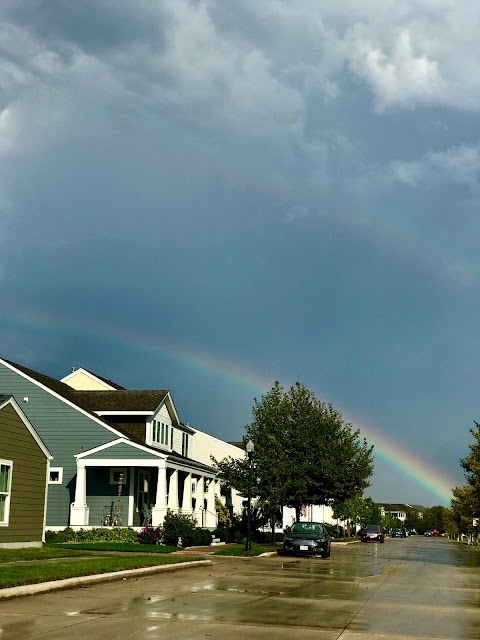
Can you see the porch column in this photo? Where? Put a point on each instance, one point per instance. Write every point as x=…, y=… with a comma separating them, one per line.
x=187, y=494
x=212, y=519
x=173, y=491
x=160, y=508
x=200, y=505
x=79, y=511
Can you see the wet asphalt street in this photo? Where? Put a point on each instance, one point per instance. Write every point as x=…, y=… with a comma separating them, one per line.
x=413, y=588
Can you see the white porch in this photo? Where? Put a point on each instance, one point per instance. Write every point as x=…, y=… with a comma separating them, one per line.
x=155, y=484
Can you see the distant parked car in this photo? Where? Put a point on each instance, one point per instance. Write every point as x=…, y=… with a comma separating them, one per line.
x=435, y=532
x=307, y=539
x=428, y=533
x=399, y=532
x=373, y=533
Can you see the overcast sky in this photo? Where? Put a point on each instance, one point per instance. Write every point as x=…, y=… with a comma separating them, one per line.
x=208, y=196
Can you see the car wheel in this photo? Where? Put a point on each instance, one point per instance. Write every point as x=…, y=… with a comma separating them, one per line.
x=327, y=553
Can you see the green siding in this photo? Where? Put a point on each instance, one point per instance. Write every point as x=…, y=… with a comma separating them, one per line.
x=27, y=501
x=65, y=432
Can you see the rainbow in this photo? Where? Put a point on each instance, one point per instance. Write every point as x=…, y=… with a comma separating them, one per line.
x=405, y=460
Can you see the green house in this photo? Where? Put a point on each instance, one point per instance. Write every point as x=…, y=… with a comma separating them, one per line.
x=24, y=470
x=119, y=456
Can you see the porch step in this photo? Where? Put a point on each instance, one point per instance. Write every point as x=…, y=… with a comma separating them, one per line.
x=216, y=542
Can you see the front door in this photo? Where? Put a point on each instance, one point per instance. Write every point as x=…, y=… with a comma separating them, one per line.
x=143, y=499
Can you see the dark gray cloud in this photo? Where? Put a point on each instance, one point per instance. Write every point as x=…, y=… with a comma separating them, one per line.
x=290, y=190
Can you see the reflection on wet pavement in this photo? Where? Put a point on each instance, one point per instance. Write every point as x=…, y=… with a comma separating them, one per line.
x=406, y=588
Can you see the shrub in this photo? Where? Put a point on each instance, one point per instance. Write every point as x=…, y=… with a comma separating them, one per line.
x=150, y=535
x=100, y=534
x=200, y=538
x=222, y=533
x=260, y=536
x=67, y=535
x=224, y=519
x=238, y=536
x=178, y=525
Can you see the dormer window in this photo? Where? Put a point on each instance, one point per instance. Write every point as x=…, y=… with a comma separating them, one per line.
x=160, y=432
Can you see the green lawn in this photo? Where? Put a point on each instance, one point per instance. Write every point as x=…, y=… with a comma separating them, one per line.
x=116, y=546
x=40, y=553
x=15, y=574
x=239, y=550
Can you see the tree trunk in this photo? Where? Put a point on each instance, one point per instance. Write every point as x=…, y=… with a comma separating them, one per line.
x=297, y=512
x=272, y=523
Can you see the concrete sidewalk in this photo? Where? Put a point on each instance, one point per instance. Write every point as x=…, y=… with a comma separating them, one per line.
x=81, y=581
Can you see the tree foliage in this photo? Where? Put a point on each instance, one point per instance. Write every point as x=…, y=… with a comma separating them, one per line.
x=357, y=510
x=304, y=452
x=466, y=500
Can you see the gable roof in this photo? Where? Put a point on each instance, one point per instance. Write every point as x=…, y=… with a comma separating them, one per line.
x=90, y=374
x=120, y=400
x=91, y=402
x=60, y=389
x=10, y=400
x=399, y=507
x=54, y=385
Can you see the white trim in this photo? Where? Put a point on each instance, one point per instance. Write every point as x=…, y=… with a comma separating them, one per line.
x=60, y=475
x=114, y=443
x=11, y=400
x=8, y=492
x=92, y=376
x=59, y=397
x=45, y=501
x=131, y=496
x=120, y=470
x=121, y=462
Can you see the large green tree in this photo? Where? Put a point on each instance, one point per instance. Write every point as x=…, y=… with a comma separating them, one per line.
x=304, y=452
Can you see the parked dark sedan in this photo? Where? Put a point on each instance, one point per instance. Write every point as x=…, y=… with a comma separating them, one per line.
x=399, y=532
x=373, y=533
x=307, y=539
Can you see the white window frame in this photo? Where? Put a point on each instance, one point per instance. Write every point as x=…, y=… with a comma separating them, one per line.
x=119, y=470
x=60, y=475
x=8, y=493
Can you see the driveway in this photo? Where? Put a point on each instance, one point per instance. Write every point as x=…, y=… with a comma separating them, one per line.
x=404, y=589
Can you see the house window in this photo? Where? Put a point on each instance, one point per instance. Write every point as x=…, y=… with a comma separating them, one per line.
x=6, y=467
x=163, y=433
x=185, y=444
x=117, y=473
x=55, y=475
x=171, y=438
x=166, y=435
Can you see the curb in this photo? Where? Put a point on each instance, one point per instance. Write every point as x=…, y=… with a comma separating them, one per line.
x=71, y=583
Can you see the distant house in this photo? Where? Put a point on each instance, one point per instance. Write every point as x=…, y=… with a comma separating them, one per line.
x=119, y=456
x=24, y=473
x=206, y=447
x=399, y=511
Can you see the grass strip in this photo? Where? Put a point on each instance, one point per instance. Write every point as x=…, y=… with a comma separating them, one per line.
x=256, y=550
x=19, y=574
x=40, y=553
x=129, y=547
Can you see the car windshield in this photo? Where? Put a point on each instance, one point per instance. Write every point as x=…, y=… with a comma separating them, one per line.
x=307, y=527
x=373, y=527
